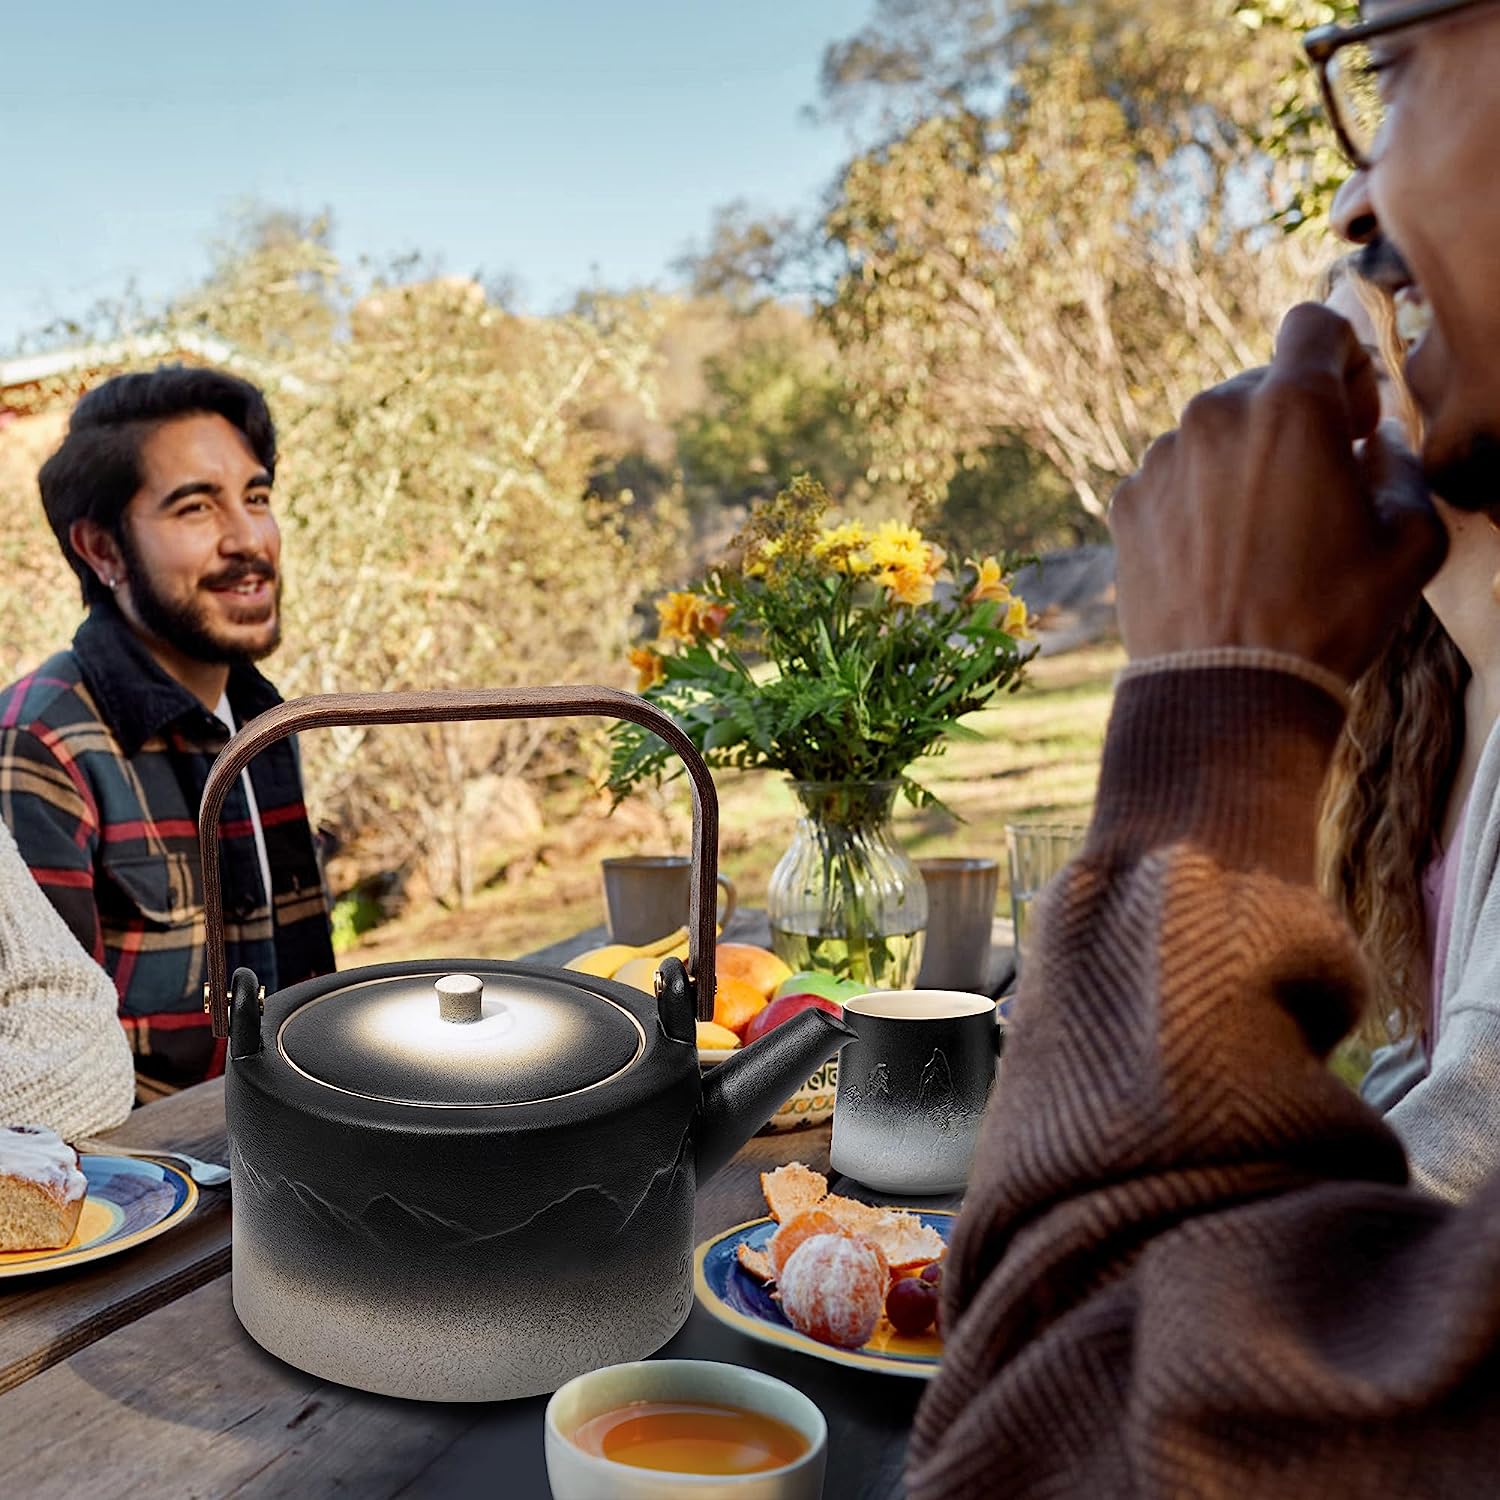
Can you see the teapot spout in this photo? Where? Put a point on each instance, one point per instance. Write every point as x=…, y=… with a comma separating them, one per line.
x=746, y=1089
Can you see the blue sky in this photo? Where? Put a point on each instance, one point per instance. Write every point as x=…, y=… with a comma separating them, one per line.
x=562, y=142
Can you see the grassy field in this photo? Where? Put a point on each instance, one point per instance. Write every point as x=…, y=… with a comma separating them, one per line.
x=1038, y=758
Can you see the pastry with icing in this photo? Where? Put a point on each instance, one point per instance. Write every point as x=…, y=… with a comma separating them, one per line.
x=41, y=1189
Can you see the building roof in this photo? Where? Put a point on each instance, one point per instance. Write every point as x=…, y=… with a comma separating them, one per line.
x=32, y=369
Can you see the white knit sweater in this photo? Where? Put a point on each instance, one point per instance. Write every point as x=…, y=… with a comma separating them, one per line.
x=1448, y=1117
x=64, y=1059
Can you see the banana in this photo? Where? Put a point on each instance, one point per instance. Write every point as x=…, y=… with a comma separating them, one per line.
x=640, y=973
x=715, y=1038
x=663, y=946
x=603, y=963
x=680, y=949
x=606, y=962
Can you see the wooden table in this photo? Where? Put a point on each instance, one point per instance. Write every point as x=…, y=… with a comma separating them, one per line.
x=132, y=1377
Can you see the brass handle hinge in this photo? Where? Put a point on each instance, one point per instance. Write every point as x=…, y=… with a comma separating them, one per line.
x=208, y=1005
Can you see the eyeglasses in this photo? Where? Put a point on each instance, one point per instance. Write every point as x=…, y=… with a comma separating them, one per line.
x=1349, y=72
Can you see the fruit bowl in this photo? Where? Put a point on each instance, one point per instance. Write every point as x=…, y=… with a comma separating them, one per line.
x=755, y=992
x=812, y=1104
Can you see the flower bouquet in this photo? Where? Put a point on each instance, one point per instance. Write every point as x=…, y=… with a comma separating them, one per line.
x=839, y=654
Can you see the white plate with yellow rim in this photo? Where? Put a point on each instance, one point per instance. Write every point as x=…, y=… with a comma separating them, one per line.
x=129, y=1201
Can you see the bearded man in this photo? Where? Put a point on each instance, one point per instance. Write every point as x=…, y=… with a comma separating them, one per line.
x=160, y=498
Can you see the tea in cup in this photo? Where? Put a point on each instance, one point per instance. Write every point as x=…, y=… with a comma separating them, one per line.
x=912, y=1087
x=688, y=1429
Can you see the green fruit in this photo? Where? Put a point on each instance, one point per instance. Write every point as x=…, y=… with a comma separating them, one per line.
x=830, y=988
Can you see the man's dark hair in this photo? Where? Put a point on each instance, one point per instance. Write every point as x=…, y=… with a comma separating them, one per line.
x=98, y=468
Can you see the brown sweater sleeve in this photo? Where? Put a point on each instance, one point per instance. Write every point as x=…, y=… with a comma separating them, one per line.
x=1188, y=1263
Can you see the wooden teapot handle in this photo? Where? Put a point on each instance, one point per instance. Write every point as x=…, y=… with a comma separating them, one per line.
x=333, y=710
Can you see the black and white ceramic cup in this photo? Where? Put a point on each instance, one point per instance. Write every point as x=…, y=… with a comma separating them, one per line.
x=912, y=1087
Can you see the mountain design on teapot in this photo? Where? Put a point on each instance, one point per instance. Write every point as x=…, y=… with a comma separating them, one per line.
x=387, y=1220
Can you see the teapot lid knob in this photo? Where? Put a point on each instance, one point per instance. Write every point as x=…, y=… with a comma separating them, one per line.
x=460, y=998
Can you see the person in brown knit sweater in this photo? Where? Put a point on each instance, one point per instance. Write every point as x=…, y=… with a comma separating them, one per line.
x=1190, y=1262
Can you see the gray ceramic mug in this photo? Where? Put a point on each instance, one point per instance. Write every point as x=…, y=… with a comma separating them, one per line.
x=912, y=1088
x=646, y=896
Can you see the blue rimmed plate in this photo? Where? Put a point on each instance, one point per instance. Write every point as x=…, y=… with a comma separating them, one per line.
x=737, y=1299
x=129, y=1201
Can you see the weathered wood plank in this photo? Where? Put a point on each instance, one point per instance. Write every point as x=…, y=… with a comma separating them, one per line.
x=134, y=1374
x=47, y=1318
x=182, y=1402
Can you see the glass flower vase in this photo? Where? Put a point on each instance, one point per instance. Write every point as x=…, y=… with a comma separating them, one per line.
x=846, y=899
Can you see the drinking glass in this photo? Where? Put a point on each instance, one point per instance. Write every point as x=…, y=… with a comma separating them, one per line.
x=1037, y=852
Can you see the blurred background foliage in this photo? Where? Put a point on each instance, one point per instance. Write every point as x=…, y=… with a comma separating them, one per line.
x=1057, y=221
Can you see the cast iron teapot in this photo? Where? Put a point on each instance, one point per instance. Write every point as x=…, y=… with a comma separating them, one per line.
x=472, y=1181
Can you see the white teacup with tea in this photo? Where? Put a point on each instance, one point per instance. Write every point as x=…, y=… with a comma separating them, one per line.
x=686, y=1429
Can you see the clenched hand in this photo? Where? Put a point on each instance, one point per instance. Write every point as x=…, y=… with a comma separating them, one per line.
x=1277, y=516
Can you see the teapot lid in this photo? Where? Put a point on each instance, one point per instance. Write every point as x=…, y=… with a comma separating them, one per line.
x=461, y=1040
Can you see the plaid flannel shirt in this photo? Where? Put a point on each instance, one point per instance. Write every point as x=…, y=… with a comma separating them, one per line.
x=103, y=759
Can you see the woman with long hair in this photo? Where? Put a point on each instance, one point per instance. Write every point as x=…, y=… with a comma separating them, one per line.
x=1410, y=839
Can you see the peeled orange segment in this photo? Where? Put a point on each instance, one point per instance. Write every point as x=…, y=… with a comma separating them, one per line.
x=791, y=1189
x=833, y=1289
x=901, y=1237
x=793, y=1231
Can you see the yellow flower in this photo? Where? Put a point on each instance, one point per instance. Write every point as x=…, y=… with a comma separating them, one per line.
x=1017, y=623
x=686, y=617
x=765, y=555
x=648, y=668
x=896, y=546
x=842, y=549
x=840, y=538
x=908, y=585
x=990, y=584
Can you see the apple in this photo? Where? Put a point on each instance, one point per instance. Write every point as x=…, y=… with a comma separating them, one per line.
x=784, y=1009
x=809, y=982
